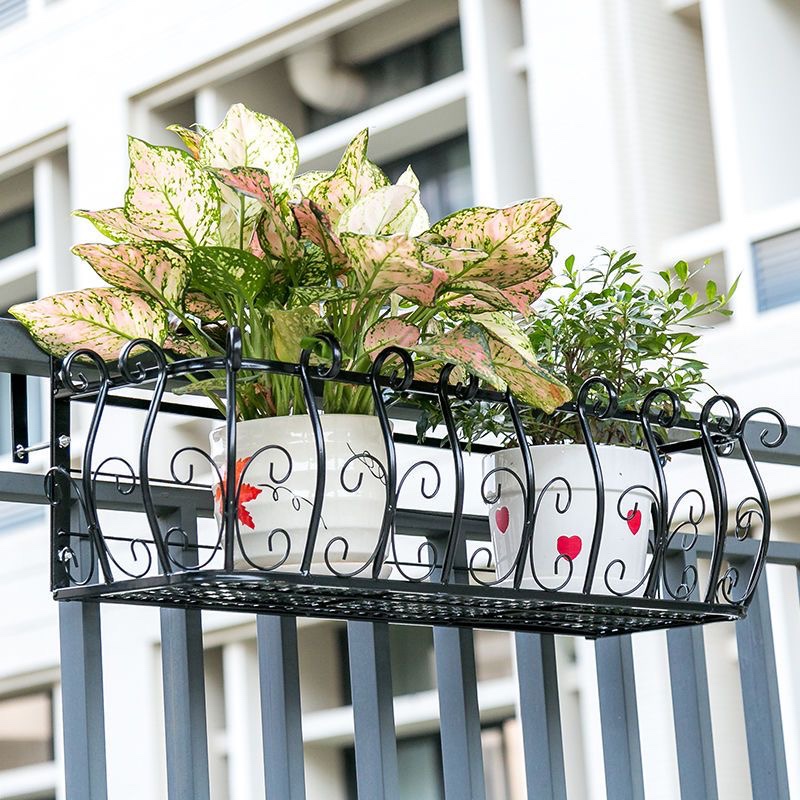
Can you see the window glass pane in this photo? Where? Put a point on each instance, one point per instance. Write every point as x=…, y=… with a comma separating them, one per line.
x=34, y=411
x=777, y=265
x=400, y=72
x=26, y=730
x=16, y=232
x=444, y=174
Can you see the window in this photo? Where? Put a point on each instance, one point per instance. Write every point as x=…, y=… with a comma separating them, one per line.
x=419, y=764
x=12, y=11
x=777, y=268
x=400, y=72
x=444, y=174
x=16, y=231
x=26, y=729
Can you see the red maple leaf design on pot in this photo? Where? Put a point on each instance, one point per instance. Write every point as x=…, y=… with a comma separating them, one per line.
x=246, y=493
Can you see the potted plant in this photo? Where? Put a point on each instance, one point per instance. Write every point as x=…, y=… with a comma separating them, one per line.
x=639, y=331
x=224, y=233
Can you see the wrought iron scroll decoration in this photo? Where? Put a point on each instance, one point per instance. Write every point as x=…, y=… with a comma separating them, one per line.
x=143, y=363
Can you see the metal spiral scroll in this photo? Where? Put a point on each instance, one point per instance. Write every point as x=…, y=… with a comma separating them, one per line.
x=277, y=479
x=689, y=531
x=727, y=426
x=398, y=384
x=524, y=555
x=601, y=409
x=752, y=508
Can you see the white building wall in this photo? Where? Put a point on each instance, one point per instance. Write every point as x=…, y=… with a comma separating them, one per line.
x=667, y=126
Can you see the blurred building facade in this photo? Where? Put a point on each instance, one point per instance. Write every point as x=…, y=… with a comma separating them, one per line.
x=667, y=125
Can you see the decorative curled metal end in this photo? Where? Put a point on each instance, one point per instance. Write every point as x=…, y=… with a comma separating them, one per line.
x=398, y=382
x=660, y=407
x=727, y=423
x=602, y=407
x=665, y=417
x=75, y=379
x=783, y=428
x=321, y=371
x=131, y=359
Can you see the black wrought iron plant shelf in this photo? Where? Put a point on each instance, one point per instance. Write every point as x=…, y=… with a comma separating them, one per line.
x=425, y=567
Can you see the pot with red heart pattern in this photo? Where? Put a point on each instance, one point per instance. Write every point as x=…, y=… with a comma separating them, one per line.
x=276, y=471
x=566, y=518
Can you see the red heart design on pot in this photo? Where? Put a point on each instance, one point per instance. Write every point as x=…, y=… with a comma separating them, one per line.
x=569, y=546
x=501, y=518
x=634, y=520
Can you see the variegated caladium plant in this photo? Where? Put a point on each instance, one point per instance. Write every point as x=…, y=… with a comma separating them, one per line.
x=226, y=233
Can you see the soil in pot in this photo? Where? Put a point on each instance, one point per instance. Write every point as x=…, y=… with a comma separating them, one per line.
x=564, y=527
x=276, y=465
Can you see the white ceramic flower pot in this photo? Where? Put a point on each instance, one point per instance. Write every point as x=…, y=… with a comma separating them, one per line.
x=626, y=523
x=279, y=483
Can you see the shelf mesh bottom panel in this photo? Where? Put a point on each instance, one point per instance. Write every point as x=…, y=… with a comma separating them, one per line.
x=425, y=604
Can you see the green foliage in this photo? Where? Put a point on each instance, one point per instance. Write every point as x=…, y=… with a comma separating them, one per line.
x=227, y=234
x=637, y=328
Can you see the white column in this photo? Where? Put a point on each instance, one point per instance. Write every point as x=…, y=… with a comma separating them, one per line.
x=242, y=721
x=209, y=107
x=727, y=148
x=52, y=208
x=499, y=141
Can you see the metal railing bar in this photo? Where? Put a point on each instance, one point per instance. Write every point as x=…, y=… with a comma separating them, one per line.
x=691, y=708
x=761, y=701
x=457, y=688
x=540, y=715
x=82, y=700
x=377, y=773
x=281, y=718
x=619, y=722
x=184, y=687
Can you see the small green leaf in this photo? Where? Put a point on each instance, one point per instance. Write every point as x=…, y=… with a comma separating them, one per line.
x=218, y=271
x=682, y=271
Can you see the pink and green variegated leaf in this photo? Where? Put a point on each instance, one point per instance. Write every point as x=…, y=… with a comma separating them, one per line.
x=424, y=294
x=191, y=139
x=316, y=227
x=466, y=345
x=383, y=212
x=431, y=373
x=251, y=181
x=200, y=306
x=453, y=260
x=220, y=271
x=393, y=331
x=476, y=296
x=184, y=345
x=157, y=271
x=523, y=295
x=171, y=195
x=515, y=239
x=246, y=138
x=505, y=330
x=277, y=239
x=420, y=221
x=383, y=263
x=113, y=224
x=304, y=183
x=527, y=381
x=289, y=328
x=355, y=177
x=103, y=320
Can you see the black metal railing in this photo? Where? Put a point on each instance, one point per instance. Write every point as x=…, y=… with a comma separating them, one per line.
x=188, y=506
x=452, y=576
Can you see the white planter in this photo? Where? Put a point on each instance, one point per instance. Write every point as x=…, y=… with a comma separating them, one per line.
x=570, y=533
x=282, y=494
